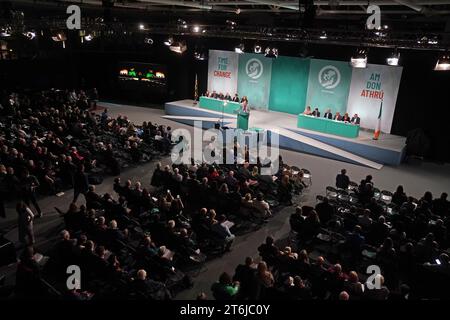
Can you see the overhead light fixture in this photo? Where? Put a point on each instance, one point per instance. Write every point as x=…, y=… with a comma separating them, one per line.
x=393, y=59
x=168, y=41
x=257, y=48
x=443, y=63
x=271, y=52
x=30, y=35
x=231, y=23
x=141, y=26
x=148, y=40
x=433, y=41
x=323, y=35
x=196, y=29
x=359, y=60
x=178, y=47
x=239, y=48
x=5, y=32
x=182, y=23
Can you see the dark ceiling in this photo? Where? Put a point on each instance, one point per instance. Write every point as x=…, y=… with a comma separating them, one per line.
x=418, y=24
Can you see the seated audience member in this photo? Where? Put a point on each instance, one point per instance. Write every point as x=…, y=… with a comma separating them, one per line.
x=346, y=118
x=316, y=113
x=325, y=211
x=236, y=98
x=342, y=180
x=328, y=114
x=399, y=197
x=268, y=251
x=223, y=232
x=299, y=290
x=261, y=207
x=337, y=117
x=146, y=288
x=365, y=220
x=344, y=296
x=376, y=290
x=296, y=220
x=246, y=275
x=225, y=288
x=307, y=111
x=441, y=206
x=355, y=119
x=264, y=281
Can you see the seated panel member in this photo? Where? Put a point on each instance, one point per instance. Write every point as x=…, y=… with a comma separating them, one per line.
x=236, y=98
x=355, y=119
x=214, y=94
x=206, y=94
x=220, y=96
x=337, y=117
x=307, y=111
x=346, y=117
x=227, y=97
x=328, y=114
x=316, y=112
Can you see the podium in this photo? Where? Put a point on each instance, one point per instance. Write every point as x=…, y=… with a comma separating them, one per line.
x=242, y=120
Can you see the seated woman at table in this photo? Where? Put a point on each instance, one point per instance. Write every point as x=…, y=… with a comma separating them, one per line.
x=346, y=117
x=307, y=111
x=337, y=117
x=206, y=94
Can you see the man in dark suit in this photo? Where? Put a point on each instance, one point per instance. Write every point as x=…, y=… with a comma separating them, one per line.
x=342, y=180
x=236, y=98
x=355, y=119
x=316, y=112
x=328, y=114
x=227, y=97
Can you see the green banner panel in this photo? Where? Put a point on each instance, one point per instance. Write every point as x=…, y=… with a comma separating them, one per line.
x=254, y=79
x=328, y=85
x=289, y=84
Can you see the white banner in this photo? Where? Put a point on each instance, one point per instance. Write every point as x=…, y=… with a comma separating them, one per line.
x=223, y=71
x=368, y=87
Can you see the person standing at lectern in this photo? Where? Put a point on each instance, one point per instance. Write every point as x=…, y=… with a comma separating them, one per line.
x=316, y=112
x=307, y=111
x=337, y=117
x=328, y=114
x=355, y=119
x=244, y=104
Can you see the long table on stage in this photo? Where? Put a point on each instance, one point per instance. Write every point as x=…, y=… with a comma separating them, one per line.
x=218, y=105
x=324, y=125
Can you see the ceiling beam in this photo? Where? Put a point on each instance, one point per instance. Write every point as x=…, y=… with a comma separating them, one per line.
x=276, y=4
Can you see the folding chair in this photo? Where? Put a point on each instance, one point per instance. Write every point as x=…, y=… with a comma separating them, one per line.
x=331, y=192
x=307, y=175
x=386, y=196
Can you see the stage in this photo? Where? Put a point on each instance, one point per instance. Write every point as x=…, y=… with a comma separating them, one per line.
x=363, y=150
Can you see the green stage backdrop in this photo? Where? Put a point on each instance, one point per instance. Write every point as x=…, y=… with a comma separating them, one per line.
x=328, y=85
x=289, y=84
x=254, y=79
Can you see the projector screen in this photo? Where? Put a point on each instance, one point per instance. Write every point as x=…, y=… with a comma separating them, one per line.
x=142, y=76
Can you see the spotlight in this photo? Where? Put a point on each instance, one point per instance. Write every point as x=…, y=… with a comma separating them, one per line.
x=239, y=48
x=323, y=35
x=433, y=41
x=148, y=40
x=178, y=47
x=359, y=60
x=443, y=63
x=393, y=59
x=232, y=24
x=196, y=29
x=271, y=52
x=30, y=35
x=141, y=27
x=168, y=41
x=182, y=23
x=200, y=55
x=60, y=36
x=89, y=37
x=257, y=48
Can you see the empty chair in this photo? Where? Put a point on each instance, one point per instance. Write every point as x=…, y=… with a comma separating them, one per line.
x=386, y=196
x=295, y=169
x=307, y=175
x=353, y=198
x=331, y=192
x=352, y=186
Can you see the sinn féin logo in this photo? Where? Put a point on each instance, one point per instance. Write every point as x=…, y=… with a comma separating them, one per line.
x=329, y=77
x=254, y=68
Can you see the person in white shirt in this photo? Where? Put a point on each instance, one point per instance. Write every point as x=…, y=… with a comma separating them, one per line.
x=262, y=207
